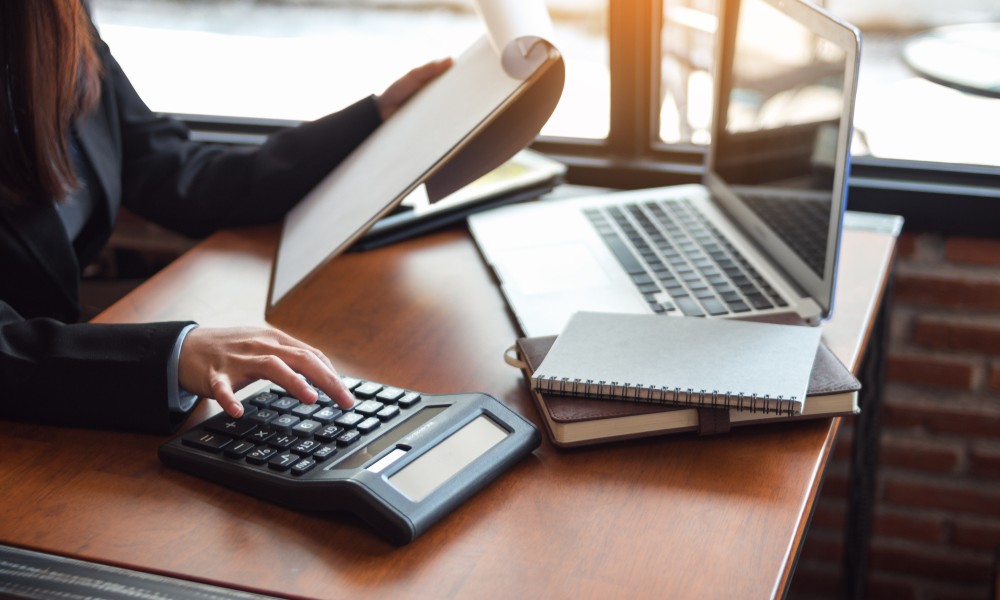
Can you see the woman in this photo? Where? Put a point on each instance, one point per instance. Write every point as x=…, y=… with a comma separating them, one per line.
x=76, y=143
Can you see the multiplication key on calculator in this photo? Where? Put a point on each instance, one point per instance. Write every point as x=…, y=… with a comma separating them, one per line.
x=398, y=459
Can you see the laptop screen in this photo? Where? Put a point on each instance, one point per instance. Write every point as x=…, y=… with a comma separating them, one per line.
x=781, y=137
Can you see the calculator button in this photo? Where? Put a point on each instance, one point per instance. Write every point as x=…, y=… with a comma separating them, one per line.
x=283, y=461
x=285, y=422
x=238, y=449
x=284, y=404
x=305, y=410
x=350, y=382
x=322, y=400
x=328, y=433
x=349, y=419
x=368, y=408
x=306, y=447
x=368, y=425
x=261, y=435
x=348, y=437
x=387, y=413
x=260, y=455
x=230, y=426
x=367, y=389
x=390, y=395
x=303, y=466
x=264, y=415
x=409, y=399
x=284, y=441
x=206, y=440
x=306, y=428
x=326, y=415
x=324, y=453
x=263, y=399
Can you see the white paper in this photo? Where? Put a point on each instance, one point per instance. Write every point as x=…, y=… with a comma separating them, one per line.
x=519, y=33
x=466, y=122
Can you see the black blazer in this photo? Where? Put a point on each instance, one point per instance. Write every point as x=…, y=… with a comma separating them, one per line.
x=114, y=376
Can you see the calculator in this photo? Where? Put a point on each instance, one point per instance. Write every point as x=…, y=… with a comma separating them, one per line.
x=398, y=459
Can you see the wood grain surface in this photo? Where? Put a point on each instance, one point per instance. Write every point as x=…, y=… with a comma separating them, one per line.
x=678, y=516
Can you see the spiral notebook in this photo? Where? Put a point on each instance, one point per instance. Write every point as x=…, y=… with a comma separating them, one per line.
x=685, y=361
x=576, y=421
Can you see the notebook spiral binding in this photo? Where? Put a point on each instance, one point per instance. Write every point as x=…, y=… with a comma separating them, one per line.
x=614, y=390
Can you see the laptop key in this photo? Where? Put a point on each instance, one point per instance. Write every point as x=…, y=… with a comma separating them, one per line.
x=758, y=301
x=689, y=307
x=714, y=306
x=738, y=306
x=624, y=255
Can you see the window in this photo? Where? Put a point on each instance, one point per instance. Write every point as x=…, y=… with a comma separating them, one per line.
x=636, y=106
x=887, y=108
x=301, y=60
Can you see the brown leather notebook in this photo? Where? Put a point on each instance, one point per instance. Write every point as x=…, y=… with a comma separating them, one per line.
x=576, y=421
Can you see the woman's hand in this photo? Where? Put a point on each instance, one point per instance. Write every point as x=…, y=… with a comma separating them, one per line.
x=400, y=91
x=216, y=362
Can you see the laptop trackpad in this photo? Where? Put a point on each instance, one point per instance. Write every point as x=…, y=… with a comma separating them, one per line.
x=548, y=269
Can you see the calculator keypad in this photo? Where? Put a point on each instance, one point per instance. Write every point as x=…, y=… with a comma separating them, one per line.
x=283, y=435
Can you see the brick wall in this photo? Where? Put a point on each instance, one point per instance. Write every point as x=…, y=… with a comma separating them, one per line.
x=937, y=511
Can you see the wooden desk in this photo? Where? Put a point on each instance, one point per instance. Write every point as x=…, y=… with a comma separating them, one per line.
x=677, y=516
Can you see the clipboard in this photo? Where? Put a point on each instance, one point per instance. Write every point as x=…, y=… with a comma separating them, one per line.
x=526, y=176
x=489, y=105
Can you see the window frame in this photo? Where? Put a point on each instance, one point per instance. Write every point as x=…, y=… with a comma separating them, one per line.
x=939, y=197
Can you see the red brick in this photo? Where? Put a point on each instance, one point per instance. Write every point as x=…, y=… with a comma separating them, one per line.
x=842, y=448
x=895, y=588
x=930, y=370
x=906, y=245
x=969, y=423
x=835, y=485
x=995, y=378
x=960, y=592
x=922, y=456
x=909, y=527
x=828, y=516
x=823, y=547
x=978, y=534
x=952, y=497
x=815, y=582
x=957, y=335
x=985, y=462
x=975, y=251
x=936, y=562
x=948, y=291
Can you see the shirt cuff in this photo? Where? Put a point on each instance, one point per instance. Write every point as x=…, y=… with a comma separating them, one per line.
x=178, y=399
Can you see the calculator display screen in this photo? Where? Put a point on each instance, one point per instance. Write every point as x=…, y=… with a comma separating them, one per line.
x=398, y=432
x=425, y=474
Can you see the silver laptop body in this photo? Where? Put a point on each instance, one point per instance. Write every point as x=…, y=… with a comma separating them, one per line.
x=761, y=233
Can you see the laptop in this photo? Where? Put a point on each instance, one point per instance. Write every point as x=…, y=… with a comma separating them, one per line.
x=758, y=236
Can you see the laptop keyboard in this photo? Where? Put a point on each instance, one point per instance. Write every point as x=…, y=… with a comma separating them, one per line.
x=801, y=223
x=679, y=261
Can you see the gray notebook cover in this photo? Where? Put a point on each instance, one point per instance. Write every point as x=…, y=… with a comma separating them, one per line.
x=761, y=367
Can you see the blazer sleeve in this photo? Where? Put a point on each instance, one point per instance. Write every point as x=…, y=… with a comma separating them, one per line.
x=106, y=376
x=196, y=188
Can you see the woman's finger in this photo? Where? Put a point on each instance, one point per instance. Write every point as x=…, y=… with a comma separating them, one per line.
x=278, y=371
x=222, y=392
x=319, y=373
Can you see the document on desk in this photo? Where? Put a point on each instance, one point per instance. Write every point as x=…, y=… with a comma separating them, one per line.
x=488, y=106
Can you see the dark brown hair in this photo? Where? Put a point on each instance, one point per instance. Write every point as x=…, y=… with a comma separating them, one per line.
x=49, y=75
